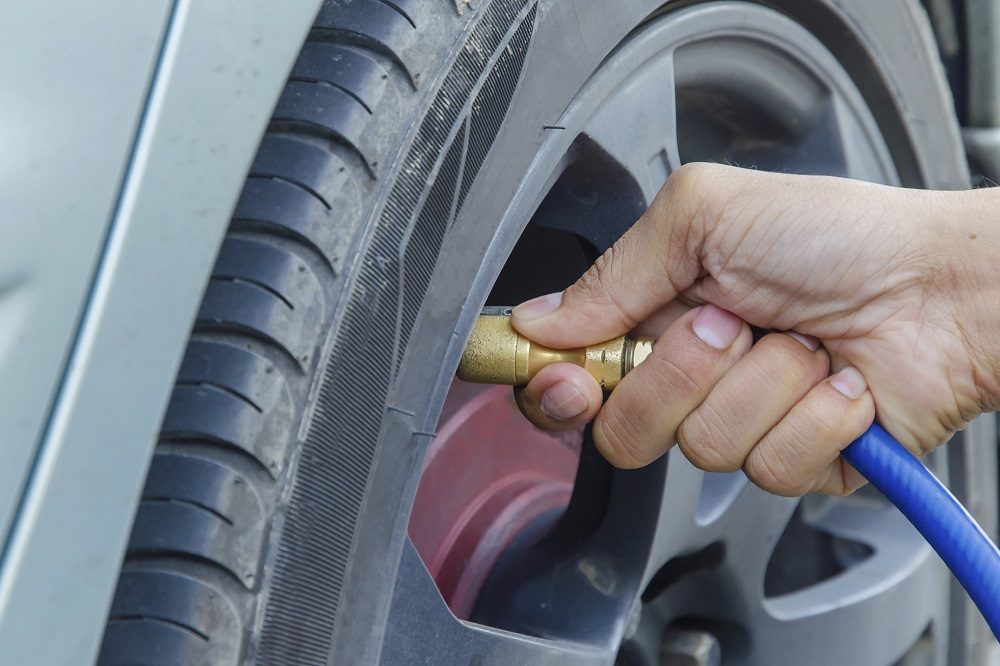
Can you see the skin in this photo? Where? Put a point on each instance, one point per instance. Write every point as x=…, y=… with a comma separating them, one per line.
x=880, y=304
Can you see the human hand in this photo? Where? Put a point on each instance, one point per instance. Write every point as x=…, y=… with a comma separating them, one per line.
x=893, y=291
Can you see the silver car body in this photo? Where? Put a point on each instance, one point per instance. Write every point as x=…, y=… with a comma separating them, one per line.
x=127, y=130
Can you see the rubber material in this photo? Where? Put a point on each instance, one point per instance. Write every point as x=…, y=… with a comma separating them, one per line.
x=934, y=511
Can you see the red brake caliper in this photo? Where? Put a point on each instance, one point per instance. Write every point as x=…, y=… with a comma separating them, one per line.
x=487, y=475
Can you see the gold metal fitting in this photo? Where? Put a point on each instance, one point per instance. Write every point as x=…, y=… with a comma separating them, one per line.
x=497, y=354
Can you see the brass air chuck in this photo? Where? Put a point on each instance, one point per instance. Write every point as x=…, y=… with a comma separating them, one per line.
x=497, y=354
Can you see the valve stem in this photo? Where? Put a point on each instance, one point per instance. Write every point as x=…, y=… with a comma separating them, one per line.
x=497, y=354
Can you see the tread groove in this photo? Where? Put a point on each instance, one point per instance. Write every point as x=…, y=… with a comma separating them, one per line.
x=245, y=464
x=262, y=226
x=203, y=326
x=240, y=279
x=160, y=619
x=347, y=37
x=291, y=181
x=272, y=233
x=179, y=556
x=296, y=126
x=196, y=438
x=216, y=386
x=399, y=10
x=197, y=505
x=285, y=366
x=333, y=84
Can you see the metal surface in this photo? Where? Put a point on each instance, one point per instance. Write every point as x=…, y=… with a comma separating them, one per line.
x=975, y=470
x=982, y=60
x=983, y=147
x=74, y=80
x=687, y=647
x=982, y=28
x=488, y=475
x=497, y=354
x=448, y=640
x=221, y=68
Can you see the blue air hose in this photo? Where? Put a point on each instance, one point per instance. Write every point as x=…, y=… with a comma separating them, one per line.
x=937, y=515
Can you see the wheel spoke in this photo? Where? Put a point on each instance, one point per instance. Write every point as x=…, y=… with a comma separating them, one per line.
x=592, y=559
x=901, y=580
x=751, y=528
x=829, y=622
x=421, y=630
x=699, y=509
x=865, y=153
x=615, y=168
x=679, y=527
x=645, y=145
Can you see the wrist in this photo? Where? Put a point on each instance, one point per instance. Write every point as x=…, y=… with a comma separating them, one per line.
x=969, y=252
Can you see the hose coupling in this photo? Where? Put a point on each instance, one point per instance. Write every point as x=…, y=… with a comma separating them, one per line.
x=497, y=354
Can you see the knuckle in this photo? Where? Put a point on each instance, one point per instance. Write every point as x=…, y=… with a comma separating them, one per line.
x=804, y=439
x=837, y=490
x=700, y=437
x=687, y=207
x=769, y=471
x=795, y=362
x=689, y=178
x=702, y=454
x=671, y=379
x=817, y=422
x=589, y=283
x=600, y=280
x=606, y=265
x=835, y=482
x=862, y=413
x=618, y=438
x=694, y=188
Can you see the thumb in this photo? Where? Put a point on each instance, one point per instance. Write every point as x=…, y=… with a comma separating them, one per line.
x=652, y=263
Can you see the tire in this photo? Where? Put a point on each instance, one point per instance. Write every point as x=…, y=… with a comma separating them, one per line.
x=375, y=216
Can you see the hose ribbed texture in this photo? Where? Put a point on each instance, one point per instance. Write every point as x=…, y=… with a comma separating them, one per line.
x=937, y=515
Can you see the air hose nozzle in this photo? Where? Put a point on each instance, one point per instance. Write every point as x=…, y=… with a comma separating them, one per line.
x=497, y=354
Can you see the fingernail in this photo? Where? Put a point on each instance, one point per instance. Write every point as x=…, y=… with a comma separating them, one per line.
x=537, y=308
x=716, y=327
x=563, y=401
x=810, y=343
x=850, y=382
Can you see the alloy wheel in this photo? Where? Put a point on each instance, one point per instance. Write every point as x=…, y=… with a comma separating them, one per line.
x=617, y=568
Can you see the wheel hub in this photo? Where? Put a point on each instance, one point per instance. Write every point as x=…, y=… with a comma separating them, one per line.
x=488, y=475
